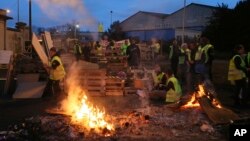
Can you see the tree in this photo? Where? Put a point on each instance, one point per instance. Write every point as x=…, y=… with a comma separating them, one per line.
x=229, y=27
x=115, y=31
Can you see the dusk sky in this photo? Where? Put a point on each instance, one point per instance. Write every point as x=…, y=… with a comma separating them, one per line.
x=88, y=13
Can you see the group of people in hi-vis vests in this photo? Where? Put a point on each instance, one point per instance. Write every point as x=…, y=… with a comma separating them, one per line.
x=190, y=65
x=239, y=75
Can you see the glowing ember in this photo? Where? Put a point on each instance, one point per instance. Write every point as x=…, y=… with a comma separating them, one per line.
x=194, y=102
x=83, y=113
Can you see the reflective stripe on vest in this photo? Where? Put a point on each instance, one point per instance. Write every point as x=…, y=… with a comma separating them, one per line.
x=160, y=76
x=205, y=51
x=173, y=95
x=198, y=54
x=248, y=59
x=59, y=72
x=182, y=57
x=233, y=72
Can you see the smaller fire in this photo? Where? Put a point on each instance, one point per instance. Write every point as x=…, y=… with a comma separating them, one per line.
x=85, y=114
x=194, y=99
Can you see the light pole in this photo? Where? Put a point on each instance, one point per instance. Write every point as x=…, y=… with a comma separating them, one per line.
x=17, y=10
x=76, y=26
x=111, y=12
x=30, y=20
x=183, y=21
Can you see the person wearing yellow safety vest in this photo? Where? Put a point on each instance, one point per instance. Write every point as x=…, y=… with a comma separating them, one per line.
x=124, y=47
x=159, y=78
x=207, y=57
x=174, y=56
x=174, y=91
x=183, y=65
x=155, y=46
x=247, y=60
x=56, y=74
x=99, y=49
x=237, y=75
x=191, y=82
x=77, y=50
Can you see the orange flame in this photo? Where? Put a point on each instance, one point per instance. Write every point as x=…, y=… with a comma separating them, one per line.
x=194, y=99
x=192, y=103
x=83, y=113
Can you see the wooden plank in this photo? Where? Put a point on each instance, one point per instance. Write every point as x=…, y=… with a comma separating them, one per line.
x=29, y=90
x=48, y=39
x=95, y=92
x=217, y=115
x=114, y=92
x=57, y=112
x=39, y=50
x=129, y=90
x=30, y=77
x=5, y=56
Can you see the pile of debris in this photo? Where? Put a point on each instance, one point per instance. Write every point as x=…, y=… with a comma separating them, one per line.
x=149, y=123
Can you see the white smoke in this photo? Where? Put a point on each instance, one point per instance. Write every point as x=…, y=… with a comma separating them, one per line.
x=67, y=11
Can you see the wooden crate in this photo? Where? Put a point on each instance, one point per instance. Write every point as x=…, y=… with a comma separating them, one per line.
x=93, y=81
x=114, y=86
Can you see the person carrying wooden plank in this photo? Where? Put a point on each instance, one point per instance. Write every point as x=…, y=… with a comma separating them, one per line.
x=56, y=74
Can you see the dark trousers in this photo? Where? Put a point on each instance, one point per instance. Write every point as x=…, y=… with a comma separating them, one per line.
x=174, y=66
x=78, y=57
x=240, y=94
x=52, y=88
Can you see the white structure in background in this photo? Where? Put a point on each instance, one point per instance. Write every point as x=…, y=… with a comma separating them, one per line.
x=3, y=31
x=195, y=20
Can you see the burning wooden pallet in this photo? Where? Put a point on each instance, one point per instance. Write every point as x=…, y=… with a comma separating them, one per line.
x=212, y=107
x=219, y=115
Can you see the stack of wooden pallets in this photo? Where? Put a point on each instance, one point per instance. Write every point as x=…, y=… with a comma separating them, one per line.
x=114, y=86
x=93, y=81
x=117, y=63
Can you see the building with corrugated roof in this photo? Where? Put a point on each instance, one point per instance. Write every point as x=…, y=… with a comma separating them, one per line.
x=147, y=25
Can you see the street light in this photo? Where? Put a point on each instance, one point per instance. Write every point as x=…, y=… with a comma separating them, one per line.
x=8, y=11
x=76, y=26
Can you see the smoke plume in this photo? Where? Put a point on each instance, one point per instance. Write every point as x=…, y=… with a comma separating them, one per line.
x=68, y=11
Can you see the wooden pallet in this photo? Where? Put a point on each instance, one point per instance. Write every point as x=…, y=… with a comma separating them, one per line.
x=114, y=86
x=116, y=66
x=129, y=90
x=93, y=81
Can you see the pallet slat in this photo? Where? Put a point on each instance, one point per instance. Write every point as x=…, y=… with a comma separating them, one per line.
x=217, y=115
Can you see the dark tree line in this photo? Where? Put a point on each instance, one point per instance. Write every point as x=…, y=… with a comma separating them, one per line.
x=229, y=27
x=115, y=31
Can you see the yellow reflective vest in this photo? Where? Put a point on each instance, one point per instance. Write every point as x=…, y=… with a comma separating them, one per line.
x=59, y=72
x=248, y=59
x=77, y=49
x=198, y=54
x=233, y=72
x=205, y=51
x=173, y=95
